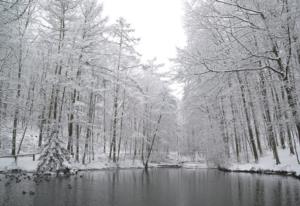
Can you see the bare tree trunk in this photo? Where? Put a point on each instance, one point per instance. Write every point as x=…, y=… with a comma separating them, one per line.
x=71, y=123
x=77, y=142
x=152, y=142
x=92, y=127
x=224, y=128
x=43, y=121
x=16, y=114
x=252, y=141
x=88, y=130
x=121, y=124
x=270, y=133
x=104, y=116
x=256, y=129
x=114, y=136
x=290, y=90
x=117, y=88
x=236, y=139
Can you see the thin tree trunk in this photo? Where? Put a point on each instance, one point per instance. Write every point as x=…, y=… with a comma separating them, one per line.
x=152, y=142
x=43, y=121
x=256, y=129
x=104, y=116
x=236, y=139
x=77, y=142
x=252, y=141
x=121, y=124
x=270, y=134
x=71, y=123
x=88, y=131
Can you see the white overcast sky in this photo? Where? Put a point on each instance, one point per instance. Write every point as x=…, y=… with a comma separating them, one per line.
x=159, y=24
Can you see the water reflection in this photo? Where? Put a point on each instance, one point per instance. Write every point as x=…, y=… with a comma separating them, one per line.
x=157, y=187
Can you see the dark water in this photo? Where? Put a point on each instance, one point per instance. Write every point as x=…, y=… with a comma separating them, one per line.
x=158, y=187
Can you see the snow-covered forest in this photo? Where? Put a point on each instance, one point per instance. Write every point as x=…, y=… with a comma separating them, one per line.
x=241, y=71
x=74, y=89
x=72, y=83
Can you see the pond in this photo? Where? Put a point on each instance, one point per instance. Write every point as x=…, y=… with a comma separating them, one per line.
x=157, y=187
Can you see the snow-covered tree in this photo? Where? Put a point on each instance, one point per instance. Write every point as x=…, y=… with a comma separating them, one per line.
x=54, y=156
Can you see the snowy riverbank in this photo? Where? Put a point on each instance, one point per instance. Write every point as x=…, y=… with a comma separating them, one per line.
x=29, y=165
x=266, y=165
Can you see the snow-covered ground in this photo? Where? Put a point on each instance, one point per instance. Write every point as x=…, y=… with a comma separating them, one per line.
x=27, y=164
x=288, y=163
x=266, y=163
x=102, y=162
x=23, y=163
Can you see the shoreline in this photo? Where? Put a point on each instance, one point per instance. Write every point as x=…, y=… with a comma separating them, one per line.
x=88, y=168
x=262, y=172
x=282, y=173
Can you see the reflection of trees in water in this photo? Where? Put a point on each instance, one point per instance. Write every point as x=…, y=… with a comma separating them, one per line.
x=113, y=181
x=277, y=199
x=146, y=181
x=159, y=187
x=288, y=194
x=259, y=193
x=240, y=191
x=296, y=193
